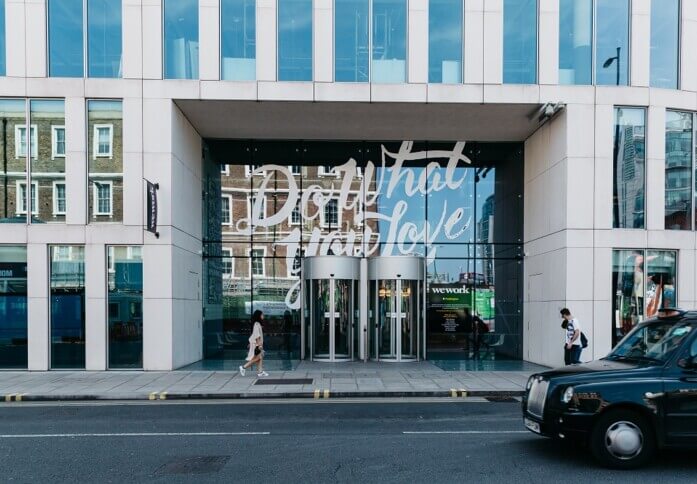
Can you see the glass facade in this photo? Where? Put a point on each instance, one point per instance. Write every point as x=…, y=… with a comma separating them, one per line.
x=13, y=160
x=629, y=168
x=104, y=38
x=65, y=38
x=294, y=40
x=180, y=39
x=125, y=306
x=643, y=281
x=47, y=118
x=612, y=42
x=105, y=159
x=351, y=40
x=389, y=49
x=67, y=285
x=519, y=41
x=445, y=45
x=13, y=307
x=438, y=200
x=665, y=40
x=238, y=40
x=679, y=170
x=575, y=41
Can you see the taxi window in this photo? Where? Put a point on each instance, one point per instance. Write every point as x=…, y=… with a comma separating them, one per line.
x=693, y=348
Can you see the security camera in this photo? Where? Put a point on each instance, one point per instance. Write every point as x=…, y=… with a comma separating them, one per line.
x=549, y=110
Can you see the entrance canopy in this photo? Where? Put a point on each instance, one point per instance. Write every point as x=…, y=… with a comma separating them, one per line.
x=360, y=121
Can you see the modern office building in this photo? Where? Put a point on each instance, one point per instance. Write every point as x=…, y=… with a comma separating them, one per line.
x=366, y=172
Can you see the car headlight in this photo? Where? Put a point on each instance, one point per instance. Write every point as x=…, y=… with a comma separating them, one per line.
x=567, y=395
x=529, y=384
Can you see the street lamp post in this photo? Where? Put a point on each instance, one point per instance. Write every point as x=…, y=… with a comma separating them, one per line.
x=609, y=62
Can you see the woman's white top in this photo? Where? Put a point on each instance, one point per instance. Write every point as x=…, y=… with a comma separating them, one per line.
x=256, y=333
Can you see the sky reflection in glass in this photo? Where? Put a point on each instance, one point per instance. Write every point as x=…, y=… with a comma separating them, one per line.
x=181, y=39
x=104, y=38
x=294, y=40
x=65, y=43
x=445, y=41
x=612, y=23
x=351, y=40
x=238, y=40
x=575, y=41
x=665, y=18
x=519, y=41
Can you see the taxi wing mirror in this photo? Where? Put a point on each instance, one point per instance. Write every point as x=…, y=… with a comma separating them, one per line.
x=688, y=363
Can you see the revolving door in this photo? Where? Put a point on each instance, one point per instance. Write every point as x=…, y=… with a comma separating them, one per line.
x=331, y=312
x=397, y=304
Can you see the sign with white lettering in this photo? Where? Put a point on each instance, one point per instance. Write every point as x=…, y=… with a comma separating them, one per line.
x=13, y=270
x=152, y=208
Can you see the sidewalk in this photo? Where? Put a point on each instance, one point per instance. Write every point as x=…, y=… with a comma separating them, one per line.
x=307, y=380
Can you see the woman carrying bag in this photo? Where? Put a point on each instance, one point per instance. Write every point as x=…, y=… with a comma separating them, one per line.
x=256, y=346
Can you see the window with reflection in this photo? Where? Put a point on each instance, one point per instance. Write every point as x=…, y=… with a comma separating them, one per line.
x=612, y=42
x=351, y=40
x=445, y=21
x=519, y=41
x=665, y=39
x=238, y=40
x=105, y=160
x=389, y=49
x=180, y=39
x=575, y=41
x=629, y=168
x=294, y=40
x=67, y=286
x=13, y=307
x=125, y=306
x=13, y=160
x=679, y=170
x=104, y=33
x=3, y=56
x=65, y=39
x=47, y=119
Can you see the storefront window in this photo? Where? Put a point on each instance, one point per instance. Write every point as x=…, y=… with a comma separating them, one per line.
x=125, y=306
x=629, y=174
x=13, y=160
x=575, y=41
x=105, y=150
x=665, y=28
x=238, y=40
x=67, y=265
x=294, y=40
x=389, y=49
x=519, y=41
x=612, y=42
x=678, y=194
x=104, y=43
x=13, y=307
x=643, y=281
x=351, y=44
x=48, y=162
x=445, y=41
x=181, y=39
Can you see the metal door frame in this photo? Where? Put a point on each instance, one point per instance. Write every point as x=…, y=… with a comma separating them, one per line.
x=396, y=322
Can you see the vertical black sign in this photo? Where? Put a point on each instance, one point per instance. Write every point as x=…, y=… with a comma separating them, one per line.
x=152, y=208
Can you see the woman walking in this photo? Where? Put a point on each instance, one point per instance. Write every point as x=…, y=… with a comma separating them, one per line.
x=256, y=346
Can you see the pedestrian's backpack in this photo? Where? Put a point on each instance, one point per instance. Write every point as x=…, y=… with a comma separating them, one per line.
x=584, y=340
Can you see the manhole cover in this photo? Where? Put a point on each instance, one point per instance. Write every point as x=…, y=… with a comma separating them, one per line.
x=284, y=381
x=194, y=465
x=502, y=399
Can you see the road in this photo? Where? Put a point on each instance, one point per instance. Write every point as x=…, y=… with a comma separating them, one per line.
x=314, y=441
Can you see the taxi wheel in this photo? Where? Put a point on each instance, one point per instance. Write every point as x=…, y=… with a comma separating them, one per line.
x=622, y=439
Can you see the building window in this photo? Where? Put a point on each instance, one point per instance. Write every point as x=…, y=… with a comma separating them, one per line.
x=104, y=42
x=249, y=169
x=351, y=40
x=65, y=38
x=67, y=311
x=295, y=170
x=389, y=42
x=238, y=40
x=629, y=168
x=256, y=262
x=228, y=265
x=679, y=169
x=226, y=213
x=57, y=141
x=445, y=21
x=102, y=198
x=2, y=40
x=326, y=170
x=125, y=302
x=294, y=40
x=643, y=282
x=519, y=41
x=59, y=198
x=22, y=198
x=665, y=41
x=296, y=216
x=13, y=307
x=256, y=212
x=330, y=214
x=103, y=140
x=225, y=169
x=575, y=41
x=21, y=141
x=612, y=42
x=181, y=39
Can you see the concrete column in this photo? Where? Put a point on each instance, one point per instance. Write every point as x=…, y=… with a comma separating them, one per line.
x=493, y=41
x=209, y=40
x=266, y=40
x=640, y=47
x=417, y=39
x=688, y=46
x=655, y=168
x=153, y=54
x=76, y=164
x=37, y=301
x=474, y=42
x=15, y=29
x=132, y=39
x=323, y=39
x=35, y=28
x=548, y=42
x=95, y=310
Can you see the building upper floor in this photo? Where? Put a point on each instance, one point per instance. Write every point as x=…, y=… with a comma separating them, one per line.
x=644, y=43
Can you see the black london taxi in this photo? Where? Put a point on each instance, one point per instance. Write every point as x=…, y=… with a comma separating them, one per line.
x=639, y=398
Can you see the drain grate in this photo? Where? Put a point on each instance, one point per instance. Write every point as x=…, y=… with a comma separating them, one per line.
x=284, y=381
x=502, y=399
x=194, y=465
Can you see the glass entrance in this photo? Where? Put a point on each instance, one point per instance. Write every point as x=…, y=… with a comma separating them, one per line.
x=331, y=322
x=395, y=327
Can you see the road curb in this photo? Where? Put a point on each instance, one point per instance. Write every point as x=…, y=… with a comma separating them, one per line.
x=323, y=394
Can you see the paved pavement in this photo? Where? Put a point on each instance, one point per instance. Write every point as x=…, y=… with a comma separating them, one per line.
x=307, y=380
x=316, y=441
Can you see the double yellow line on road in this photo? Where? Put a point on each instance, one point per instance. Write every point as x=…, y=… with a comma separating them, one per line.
x=14, y=397
x=319, y=393
x=157, y=396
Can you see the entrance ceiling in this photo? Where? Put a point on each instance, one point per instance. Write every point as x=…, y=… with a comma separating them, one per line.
x=360, y=121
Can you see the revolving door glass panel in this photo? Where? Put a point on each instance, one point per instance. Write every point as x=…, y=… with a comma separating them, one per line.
x=332, y=321
x=395, y=321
